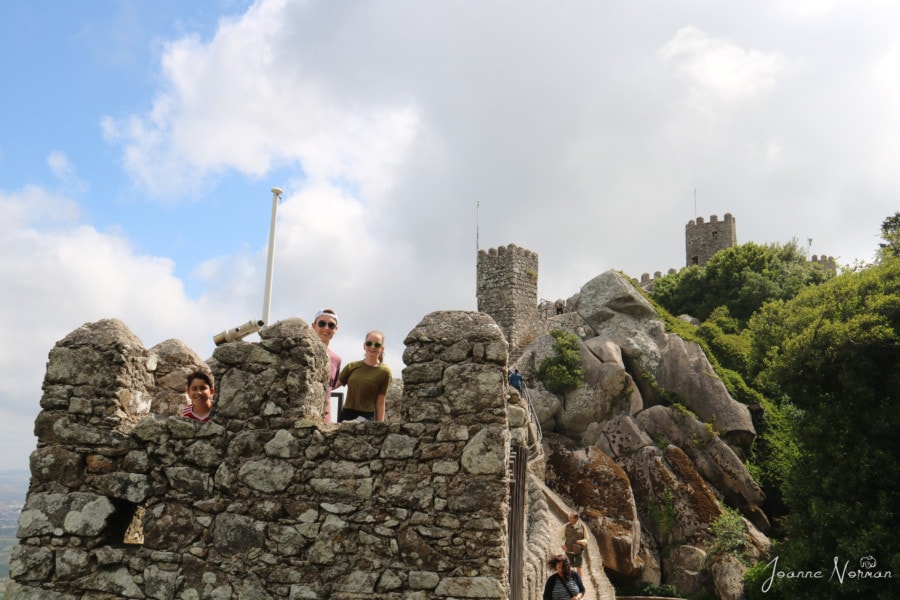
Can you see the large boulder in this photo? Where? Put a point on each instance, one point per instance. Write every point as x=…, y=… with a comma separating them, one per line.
x=610, y=294
x=712, y=457
x=618, y=436
x=685, y=371
x=674, y=501
x=621, y=316
x=608, y=388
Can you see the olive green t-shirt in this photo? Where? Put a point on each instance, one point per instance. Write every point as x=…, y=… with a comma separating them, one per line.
x=364, y=384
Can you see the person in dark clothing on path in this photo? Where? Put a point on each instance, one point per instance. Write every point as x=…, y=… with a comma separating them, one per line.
x=515, y=380
x=564, y=584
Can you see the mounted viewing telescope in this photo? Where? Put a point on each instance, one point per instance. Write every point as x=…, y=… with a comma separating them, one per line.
x=238, y=333
x=242, y=331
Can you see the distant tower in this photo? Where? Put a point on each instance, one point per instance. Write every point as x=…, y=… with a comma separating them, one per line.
x=702, y=240
x=507, y=291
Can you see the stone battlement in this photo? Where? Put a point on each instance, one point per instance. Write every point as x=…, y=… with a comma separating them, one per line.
x=702, y=240
x=265, y=500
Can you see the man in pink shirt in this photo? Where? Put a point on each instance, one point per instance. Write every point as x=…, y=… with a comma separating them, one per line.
x=325, y=324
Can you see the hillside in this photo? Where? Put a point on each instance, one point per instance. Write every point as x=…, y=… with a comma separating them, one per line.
x=13, y=487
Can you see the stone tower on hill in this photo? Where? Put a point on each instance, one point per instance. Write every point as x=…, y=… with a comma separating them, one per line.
x=702, y=240
x=507, y=290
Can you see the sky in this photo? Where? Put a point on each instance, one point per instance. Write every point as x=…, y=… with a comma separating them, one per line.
x=139, y=142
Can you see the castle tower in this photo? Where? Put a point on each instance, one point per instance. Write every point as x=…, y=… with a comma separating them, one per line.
x=507, y=291
x=702, y=240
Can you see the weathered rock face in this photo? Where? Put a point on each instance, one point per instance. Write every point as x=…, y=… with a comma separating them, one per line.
x=685, y=371
x=593, y=481
x=620, y=315
x=713, y=458
x=266, y=501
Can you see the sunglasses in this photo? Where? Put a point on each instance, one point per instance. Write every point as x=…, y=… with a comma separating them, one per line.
x=327, y=324
x=370, y=343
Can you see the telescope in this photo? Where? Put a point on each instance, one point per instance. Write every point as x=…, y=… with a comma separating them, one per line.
x=238, y=333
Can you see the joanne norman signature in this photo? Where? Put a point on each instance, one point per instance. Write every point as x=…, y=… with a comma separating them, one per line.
x=839, y=573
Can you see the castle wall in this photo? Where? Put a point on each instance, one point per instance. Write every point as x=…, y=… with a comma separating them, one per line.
x=702, y=240
x=266, y=501
x=506, y=288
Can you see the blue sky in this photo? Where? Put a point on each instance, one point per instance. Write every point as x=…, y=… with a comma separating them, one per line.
x=139, y=141
x=73, y=64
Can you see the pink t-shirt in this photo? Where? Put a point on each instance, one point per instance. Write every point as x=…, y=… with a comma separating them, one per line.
x=335, y=361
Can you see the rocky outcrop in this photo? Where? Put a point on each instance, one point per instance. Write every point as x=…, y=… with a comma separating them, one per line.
x=678, y=462
x=685, y=372
x=715, y=460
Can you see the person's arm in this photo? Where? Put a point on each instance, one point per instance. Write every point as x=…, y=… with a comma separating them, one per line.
x=337, y=375
x=548, y=588
x=379, y=407
x=583, y=541
x=383, y=390
x=580, y=585
x=343, y=376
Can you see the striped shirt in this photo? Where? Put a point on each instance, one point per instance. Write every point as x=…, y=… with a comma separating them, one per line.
x=188, y=411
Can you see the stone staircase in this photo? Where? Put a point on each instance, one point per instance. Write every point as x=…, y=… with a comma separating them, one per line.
x=596, y=584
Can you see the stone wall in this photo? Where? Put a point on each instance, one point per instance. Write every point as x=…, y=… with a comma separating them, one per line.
x=507, y=291
x=702, y=240
x=266, y=501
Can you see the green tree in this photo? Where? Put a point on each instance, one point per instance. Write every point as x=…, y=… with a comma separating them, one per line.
x=562, y=372
x=833, y=352
x=890, y=233
x=741, y=278
x=724, y=337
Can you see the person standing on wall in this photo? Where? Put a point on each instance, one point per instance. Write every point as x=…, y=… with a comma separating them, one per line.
x=325, y=324
x=367, y=382
x=574, y=541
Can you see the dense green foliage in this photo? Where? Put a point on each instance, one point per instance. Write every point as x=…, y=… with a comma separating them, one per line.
x=730, y=534
x=890, y=233
x=833, y=352
x=821, y=355
x=741, y=278
x=562, y=372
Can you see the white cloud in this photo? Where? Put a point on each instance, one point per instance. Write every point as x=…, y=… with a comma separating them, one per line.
x=59, y=273
x=65, y=172
x=718, y=70
x=244, y=101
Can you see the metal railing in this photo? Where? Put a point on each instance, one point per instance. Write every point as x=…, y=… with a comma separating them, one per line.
x=537, y=448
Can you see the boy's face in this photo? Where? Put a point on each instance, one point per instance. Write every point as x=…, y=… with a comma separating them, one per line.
x=200, y=392
x=325, y=327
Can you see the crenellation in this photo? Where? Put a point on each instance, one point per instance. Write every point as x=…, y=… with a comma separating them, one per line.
x=702, y=240
x=506, y=289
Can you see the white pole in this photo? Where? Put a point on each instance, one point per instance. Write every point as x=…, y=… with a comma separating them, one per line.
x=267, y=301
